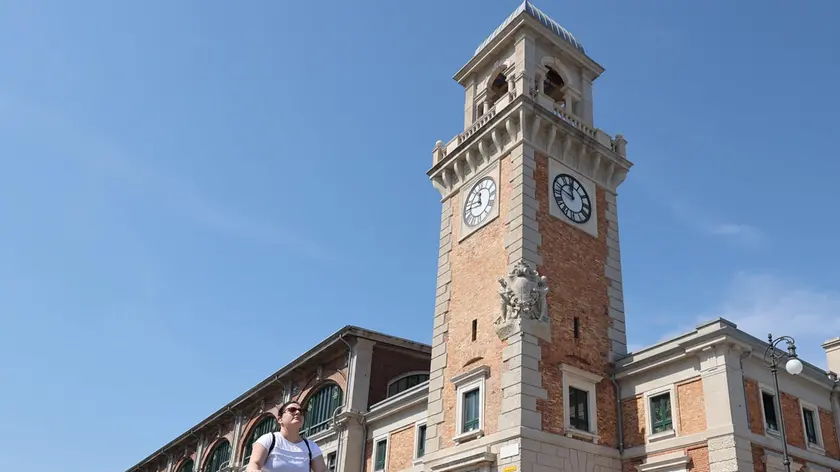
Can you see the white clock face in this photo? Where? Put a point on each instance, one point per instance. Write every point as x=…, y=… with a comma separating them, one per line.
x=480, y=201
x=572, y=198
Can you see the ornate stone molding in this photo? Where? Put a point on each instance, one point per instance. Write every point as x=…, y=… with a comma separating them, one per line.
x=523, y=303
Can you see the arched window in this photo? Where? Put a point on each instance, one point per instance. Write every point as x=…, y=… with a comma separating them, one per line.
x=186, y=466
x=265, y=426
x=553, y=85
x=218, y=458
x=497, y=88
x=401, y=384
x=320, y=408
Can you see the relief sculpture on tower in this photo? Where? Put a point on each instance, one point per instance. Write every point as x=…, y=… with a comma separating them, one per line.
x=523, y=303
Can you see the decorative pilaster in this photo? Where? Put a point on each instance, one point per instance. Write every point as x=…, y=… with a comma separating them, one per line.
x=612, y=270
x=720, y=370
x=523, y=321
x=440, y=333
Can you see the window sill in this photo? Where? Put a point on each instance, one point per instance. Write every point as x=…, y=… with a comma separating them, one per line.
x=661, y=436
x=468, y=436
x=417, y=462
x=580, y=434
x=772, y=433
x=816, y=448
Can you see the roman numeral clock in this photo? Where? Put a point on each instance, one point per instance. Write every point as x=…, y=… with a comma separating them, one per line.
x=572, y=197
x=480, y=201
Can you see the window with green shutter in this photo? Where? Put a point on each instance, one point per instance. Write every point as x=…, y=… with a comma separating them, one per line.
x=660, y=413
x=265, y=426
x=218, y=458
x=186, y=466
x=381, y=451
x=320, y=408
x=471, y=411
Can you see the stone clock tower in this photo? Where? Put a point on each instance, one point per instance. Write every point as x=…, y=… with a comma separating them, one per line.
x=529, y=312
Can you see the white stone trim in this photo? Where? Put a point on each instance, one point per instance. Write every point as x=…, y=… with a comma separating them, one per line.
x=762, y=389
x=804, y=405
x=387, y=438
x=774, y=462
x=675, y=413
x=586, y=381
x=402, y=376
x=417, y=460
x=674, y=462
x=494, y=172
x=465, y=383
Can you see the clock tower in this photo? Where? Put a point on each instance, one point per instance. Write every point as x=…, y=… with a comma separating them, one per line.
x=529, y=311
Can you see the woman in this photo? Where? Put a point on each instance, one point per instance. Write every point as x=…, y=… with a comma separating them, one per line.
x=286, y=450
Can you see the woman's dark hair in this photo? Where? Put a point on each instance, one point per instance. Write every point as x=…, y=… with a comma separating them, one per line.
x=286, y=405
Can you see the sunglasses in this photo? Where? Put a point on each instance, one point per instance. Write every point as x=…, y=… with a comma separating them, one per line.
x=293, y=410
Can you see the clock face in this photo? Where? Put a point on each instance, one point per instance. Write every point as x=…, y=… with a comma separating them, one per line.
x=572, y=198
x=480, y=201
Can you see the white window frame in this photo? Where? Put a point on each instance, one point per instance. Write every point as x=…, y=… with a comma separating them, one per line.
x=418, y=460
x=326, y=455
x=465, y=383
x=675, y=413
x=387, y=438
x=762, y=389
x=804, y=405
x=402, y=376
x=586, y=381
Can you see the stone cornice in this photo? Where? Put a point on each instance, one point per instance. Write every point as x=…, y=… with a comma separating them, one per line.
x=712, y=335
x=407, y=399
x=513, y=120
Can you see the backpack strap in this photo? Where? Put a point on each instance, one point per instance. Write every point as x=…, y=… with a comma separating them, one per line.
x=309, y=450
x=271, y=446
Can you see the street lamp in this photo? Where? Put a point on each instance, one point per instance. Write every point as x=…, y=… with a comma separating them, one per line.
x=772, y=358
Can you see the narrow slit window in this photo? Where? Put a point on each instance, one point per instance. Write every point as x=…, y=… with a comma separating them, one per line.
x=577, y=327
x=474, y=329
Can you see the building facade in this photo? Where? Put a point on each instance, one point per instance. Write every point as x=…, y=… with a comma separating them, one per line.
x=528, y=370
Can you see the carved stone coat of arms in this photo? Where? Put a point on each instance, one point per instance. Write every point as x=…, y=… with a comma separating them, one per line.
x=523, y=297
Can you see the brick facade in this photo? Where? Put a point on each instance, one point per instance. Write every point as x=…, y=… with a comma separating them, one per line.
x=754, y=406
x=389, y=364
x=692, y=406
x=633, y=421
x=574, y=263
x=476, y=264
x=401, y=449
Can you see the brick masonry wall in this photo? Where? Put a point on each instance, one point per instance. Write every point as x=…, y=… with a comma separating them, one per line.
x=369, y=456
x=829, y=434
x=793, y=421
x=334, y=370
x=476, y=264
x=633, y=421
x=574, y=263
x=389, y=364
x=754, y=406
x=401, y=449
x=692, y=406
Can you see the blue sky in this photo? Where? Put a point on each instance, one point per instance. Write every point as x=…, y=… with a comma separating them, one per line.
x=192, y=193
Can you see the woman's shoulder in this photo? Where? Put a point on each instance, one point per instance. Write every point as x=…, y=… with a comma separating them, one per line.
x=313, y=446
x=265, y=439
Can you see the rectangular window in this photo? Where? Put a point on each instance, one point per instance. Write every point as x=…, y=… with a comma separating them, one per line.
x=768, y=401
x=421, y=441
x=576, y=326
x=579, y=409
x=810, y=426
x=381, y=450
x=471, y=411
x=331, y=462
x=660, y=413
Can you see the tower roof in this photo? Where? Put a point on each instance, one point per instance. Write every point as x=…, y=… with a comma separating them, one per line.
x=529, y=8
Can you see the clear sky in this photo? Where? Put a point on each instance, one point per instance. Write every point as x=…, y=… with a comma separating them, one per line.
x=193, y=193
